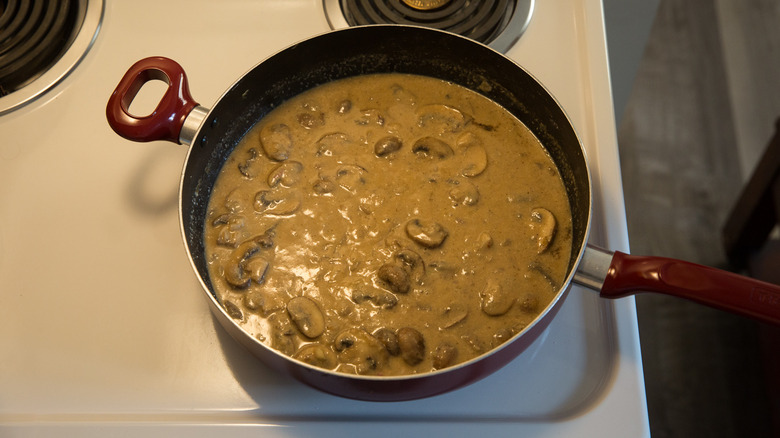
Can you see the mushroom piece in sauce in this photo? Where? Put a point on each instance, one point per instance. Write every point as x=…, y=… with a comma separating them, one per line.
x=378, y=297
x=463, y=192
x=317, y=355
x=542, y=225
x=432, y=148
x=412, y=262
x=444, y=356
x=360, y=350
x=443, y=118
x=495, y=299
x=412, y=345
x=390, y=339
x=276, y=141
x=286, y=174
x=277, y=202
x=428, y=234
x=240, y=268
x=474, y=161
x=307, y=316
x=395, y=277
x=387, y=145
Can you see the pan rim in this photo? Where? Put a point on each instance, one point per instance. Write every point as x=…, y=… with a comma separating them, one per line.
x=539, y=323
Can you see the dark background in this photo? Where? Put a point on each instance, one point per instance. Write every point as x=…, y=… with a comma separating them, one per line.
x=698, y=116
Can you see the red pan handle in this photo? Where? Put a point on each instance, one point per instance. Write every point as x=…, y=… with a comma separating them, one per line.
x=167, y=119
x=629, y=274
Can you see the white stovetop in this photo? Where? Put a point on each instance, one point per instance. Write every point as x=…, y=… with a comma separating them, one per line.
x=103, y=327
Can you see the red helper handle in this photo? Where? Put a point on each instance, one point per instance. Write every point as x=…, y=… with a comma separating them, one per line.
x=629, y=274
x=167, y=119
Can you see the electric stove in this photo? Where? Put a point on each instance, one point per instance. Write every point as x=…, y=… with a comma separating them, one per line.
x=104, y=329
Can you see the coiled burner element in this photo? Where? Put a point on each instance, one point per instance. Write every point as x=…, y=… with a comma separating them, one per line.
x=481, y=20
x=33, y=36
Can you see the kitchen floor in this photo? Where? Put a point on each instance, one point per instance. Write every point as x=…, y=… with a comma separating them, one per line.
x=701, y=111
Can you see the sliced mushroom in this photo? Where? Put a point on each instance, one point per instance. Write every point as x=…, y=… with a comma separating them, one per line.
x=529, y=303
x=276, y=141
x=344, y=106
x=412, y=262
x=228, y=237
x=235, y=268
x=466, y=140
x=236, y=202
x=317, y=355
x=254, y=301
x=432, y=148
x=495, y=300
x=370, y=116
x=358, y=349
x=387, y=145
x=474, y=161
x=443, y=118
x=221, y=220
x=454, y=314
x=502, y=336
x=378, y=297
x=542, y=224
x=351, y=177
x=343, y=307
x=232, y=231
x=331, y=143
x=444, y=267
x=250, y=167
x=282, y=333
x=266, y=239
x=428, y=234
x=256, y=268
x=477, y=346
x=262, y=302
x=277, y=202
x=233, y=310
x=323, y=186
x=444, y=356
x=286, y=174
x=389, y=339
x=395, y=277
x=307, y=316
x=539, y=272
x=463, y=192
x=412, y=345
x=311, y=119
x=272, y=298
x=235, y=276
x=347, y=339
x=368, y=205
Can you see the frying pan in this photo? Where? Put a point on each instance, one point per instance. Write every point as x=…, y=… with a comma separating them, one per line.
x=213, y=134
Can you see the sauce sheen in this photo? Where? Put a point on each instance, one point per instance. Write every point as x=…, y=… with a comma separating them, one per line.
x=387, y=224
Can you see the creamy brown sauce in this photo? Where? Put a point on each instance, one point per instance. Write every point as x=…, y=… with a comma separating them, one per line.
x=387, y=225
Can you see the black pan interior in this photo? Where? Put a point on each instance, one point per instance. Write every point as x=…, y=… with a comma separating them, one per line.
x=377, y=49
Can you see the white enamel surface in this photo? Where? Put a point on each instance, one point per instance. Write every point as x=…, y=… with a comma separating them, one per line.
x=104, y=328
